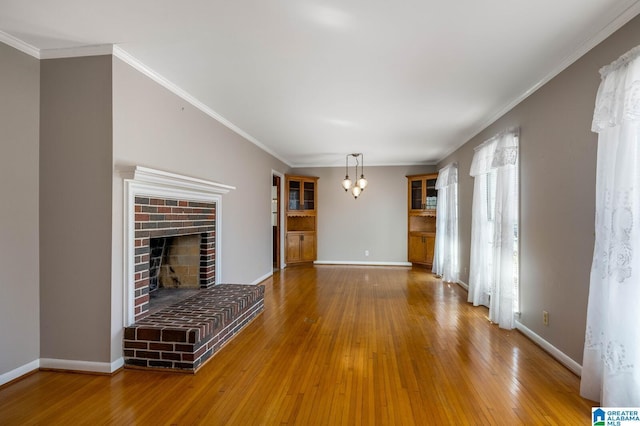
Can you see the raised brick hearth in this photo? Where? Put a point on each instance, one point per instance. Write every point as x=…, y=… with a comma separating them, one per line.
x=183, y=336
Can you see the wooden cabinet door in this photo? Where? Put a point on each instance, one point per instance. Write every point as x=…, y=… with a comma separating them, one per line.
x=417, y=248
x=430, y=242
x=307, y=247
x=301, y=247
x=293, y=247
x=421, y=248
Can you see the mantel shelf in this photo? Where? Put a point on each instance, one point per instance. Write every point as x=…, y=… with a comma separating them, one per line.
x=167, y=179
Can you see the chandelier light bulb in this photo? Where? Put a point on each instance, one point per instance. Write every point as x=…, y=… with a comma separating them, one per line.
x=346, y=183
x=362, y=182
x=356, y=191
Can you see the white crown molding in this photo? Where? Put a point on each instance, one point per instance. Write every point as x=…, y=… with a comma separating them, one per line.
x=66, y=52
x=127, y=58
x=306, y=166
x=614, y=25
x=22, y=46
x=563, y=358
x=78, y=51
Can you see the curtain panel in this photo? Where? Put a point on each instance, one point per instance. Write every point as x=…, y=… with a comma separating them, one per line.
x=445, y=257
x=481, y=261
x=611, y=362
x=493, y=273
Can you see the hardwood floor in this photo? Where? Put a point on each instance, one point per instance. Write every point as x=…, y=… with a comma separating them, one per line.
x=335, y=345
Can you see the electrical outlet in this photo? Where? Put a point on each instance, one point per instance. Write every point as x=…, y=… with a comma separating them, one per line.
x=366, y=252
x=545, y=317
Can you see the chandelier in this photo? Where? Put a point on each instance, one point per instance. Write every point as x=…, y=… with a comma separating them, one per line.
x=361, y=183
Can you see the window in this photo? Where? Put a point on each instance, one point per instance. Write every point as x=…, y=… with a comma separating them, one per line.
x=493, y=273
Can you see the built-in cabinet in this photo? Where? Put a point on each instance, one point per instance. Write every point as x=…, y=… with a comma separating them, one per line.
x=301, y=220
x=422, y=201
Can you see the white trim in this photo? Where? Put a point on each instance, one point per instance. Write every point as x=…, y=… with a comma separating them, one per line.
x=262, y=278
x=281, y=218
x=563, y=358
x=75, y=365
x=144, y=181
x=614, y=25
x=117, y=364
x=129, y=59
x=78, y=51
x=22, y=46
x=335, y=164
x=175, y=181
x=19, y=372
x=359, y=263
x=463, y=285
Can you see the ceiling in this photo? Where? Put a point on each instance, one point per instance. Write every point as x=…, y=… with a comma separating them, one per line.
x=404, y=82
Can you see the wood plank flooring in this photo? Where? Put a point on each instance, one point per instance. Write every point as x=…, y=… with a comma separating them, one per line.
x=336, y=345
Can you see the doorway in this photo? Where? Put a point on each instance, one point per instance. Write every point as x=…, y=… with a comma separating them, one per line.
x=276, y=186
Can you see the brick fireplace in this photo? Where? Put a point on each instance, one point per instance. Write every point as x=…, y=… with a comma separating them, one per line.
x=161, y=204
x=168, y=220
x=161, y=219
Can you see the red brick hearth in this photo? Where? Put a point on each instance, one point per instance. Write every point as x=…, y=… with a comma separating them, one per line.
x=183, y=336
x=157, y=217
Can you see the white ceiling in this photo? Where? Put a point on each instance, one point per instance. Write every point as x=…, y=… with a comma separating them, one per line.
x=404, y=82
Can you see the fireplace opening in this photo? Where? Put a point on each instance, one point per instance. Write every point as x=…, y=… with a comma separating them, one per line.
x=174, y=269
x=174, y=262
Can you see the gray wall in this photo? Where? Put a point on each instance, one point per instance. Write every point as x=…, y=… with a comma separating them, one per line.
x=75, y=208
x=155, y=128
x=19, y=255
x=376, y=221
x=557, y=187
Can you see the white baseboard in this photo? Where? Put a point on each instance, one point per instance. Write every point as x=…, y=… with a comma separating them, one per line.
x=88, y=366
x=262, y=278
x=555, y=352
x=463, y=285
x=18, y=372
x=359, y=263
x=117, y=364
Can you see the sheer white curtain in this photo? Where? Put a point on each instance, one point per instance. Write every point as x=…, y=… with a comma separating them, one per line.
x=504, y=295
x=445, y=257
x=611, y=362
x=493, y=274
x=480, y=268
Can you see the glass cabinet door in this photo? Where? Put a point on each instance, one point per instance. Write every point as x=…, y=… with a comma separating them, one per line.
x=423, y=194
x=416, y=195
x=309, y=195
x=302, y=195
x=431, y=199
x=294, y=195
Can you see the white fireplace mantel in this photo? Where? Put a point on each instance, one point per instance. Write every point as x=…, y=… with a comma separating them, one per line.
x=168, y=180
x=144, y=181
